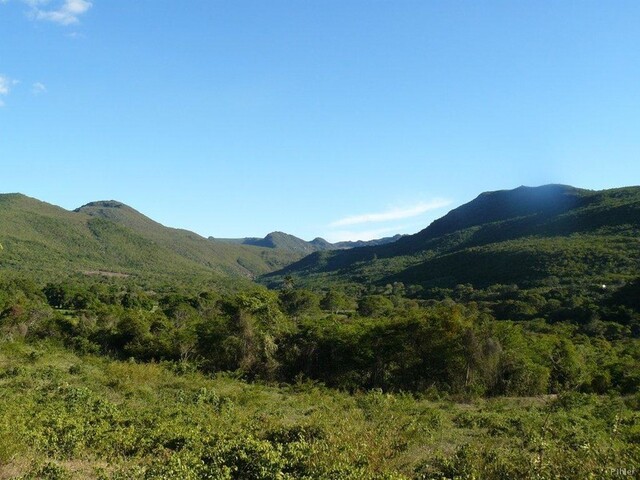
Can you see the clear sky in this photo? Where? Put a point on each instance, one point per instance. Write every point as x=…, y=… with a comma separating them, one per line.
x=337, y=118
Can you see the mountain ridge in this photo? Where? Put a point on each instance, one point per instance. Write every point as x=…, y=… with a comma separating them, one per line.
x=111, y=236
x=524, y=235
x=282, y=240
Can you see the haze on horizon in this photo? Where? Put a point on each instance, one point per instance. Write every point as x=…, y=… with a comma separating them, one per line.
x=345, y=120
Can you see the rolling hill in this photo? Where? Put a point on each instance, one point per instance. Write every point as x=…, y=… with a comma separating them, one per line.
x=289, y=242
x=524, y=236
x=282, y=241
x=111, y=237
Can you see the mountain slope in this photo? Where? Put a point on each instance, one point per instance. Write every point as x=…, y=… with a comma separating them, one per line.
x=110, y=236
x=283, y=241
x=522, y=236
x=367, y=243
x=291, y=243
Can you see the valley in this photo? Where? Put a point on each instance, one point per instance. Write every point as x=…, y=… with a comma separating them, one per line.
x=502, y=341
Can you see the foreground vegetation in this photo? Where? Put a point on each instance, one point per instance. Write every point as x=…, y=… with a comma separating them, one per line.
x=492, y=342
x=101, y=378
x=149, y=358
x=68, y=416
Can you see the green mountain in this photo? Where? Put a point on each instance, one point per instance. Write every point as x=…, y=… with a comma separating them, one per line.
x=111, y=238
x=367, y=243
x=526, y=236
x=291, y=243
x=281, y=240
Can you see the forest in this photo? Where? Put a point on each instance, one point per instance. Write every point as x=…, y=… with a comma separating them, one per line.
x=107, y=377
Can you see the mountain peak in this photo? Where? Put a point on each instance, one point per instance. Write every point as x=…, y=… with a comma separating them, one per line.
x=102, y=204
x=501, y=205
x=13, y=195
x=17, y=197
x=549, y=189
x=118, y=212
x=277, y=234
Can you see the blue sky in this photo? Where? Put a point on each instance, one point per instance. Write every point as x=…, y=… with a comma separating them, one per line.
x=342, y=119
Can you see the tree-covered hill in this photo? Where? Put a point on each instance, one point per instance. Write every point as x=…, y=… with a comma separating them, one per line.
x=111, y=237
x=283, y=241
x=524, y=236
x=294, y=244
x=367, y=243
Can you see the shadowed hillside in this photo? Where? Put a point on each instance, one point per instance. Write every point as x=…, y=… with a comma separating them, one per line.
x=522, y=236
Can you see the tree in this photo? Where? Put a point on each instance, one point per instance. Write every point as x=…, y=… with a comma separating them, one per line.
x=334, y=301
x=296, y=302
x=57, y=295
x=567, y=367
x=374, y=306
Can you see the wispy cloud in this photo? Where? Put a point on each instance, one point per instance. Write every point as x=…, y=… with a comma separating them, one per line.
x=392, y=214
x=38, y=88
x=75, y=35
x=6, y=84
x=67, y=12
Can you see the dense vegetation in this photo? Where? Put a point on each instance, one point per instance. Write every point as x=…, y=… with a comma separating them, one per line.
x=111, y=238
x=67, y=416
x=171, y=372
x=285, y=241
x=523, y=236
x=541, y=342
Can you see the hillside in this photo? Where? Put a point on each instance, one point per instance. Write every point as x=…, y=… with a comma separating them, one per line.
x=282, y=241
x=367, y=243
x=285, y=241
x=109, y=236
x=523, y=236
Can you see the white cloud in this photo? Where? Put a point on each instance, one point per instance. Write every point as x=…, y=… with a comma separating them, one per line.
x=5, y=87
x=392, y=214
x=65, y=13
x=38, y=88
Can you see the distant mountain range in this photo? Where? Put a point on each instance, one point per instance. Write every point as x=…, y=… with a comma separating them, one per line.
x=291, y=243
x=525, y=236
